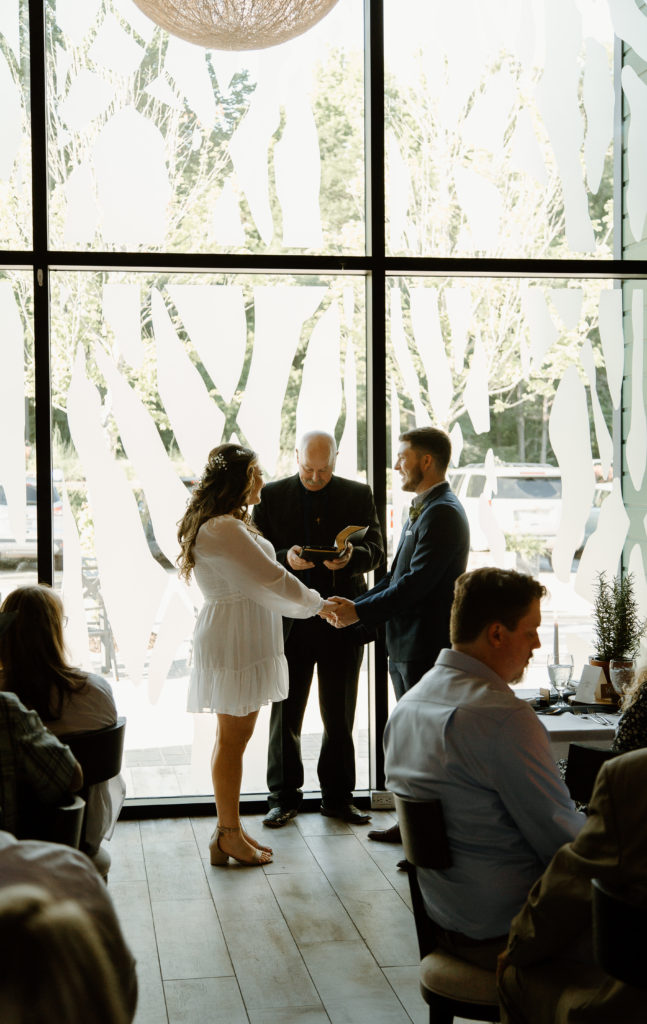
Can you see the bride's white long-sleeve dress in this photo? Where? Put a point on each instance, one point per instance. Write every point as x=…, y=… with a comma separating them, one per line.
x=238, y=660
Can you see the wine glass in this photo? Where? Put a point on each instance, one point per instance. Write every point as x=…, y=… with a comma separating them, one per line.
x=621, y=673
x=560, y=670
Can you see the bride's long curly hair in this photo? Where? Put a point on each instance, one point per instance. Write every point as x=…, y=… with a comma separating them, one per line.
x=222, y=490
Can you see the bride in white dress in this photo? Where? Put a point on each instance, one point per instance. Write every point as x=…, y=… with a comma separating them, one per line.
x=238, y=660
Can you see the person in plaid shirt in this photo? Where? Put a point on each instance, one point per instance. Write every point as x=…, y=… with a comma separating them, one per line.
x=30, y=757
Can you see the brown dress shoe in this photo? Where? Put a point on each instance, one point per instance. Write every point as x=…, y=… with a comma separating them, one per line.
x=386, y=835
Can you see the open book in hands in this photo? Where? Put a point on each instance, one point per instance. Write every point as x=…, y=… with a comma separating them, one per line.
x=349, y=534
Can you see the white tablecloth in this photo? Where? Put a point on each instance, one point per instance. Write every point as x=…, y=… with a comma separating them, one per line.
x=566, y=728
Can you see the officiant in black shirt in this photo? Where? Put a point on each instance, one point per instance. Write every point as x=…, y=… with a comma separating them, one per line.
x=310, y=509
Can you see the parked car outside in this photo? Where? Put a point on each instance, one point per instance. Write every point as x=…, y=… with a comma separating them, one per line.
x=527, y=500
x=12, y=550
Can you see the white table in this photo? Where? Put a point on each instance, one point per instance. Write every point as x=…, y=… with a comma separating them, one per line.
x=566, y=728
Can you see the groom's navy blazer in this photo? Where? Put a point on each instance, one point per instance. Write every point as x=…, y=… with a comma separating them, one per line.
x=415, y=596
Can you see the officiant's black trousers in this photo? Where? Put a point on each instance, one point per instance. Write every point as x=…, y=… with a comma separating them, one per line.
x=338, y=659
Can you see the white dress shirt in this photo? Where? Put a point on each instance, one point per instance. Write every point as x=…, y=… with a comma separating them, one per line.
x=461, y=734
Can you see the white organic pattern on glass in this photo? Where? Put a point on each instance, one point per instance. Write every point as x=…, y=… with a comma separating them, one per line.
x=568, y=303
x=459, y=310
x=570, y=438
x=475, y=394
x=612, y=339
x=604, y=548
x=196, y=420
x=602, y=433
x=557, y=98
x=232, y=146
x=280, y=313
x=15, y=128
x=403, y=358
x=89, y=96
x=542, y=330
x=636, y=440
x=133, y=186
x=598, y=100
x=132, y=584
x=12, y=410
x=81, y=213
x=320, y=397
x=431, y=346
x=214, y=317
x=347, y=462
x=122, y=312
x=11, y=123
x=636, y=94
x=636, y=565
x=630, y=24
x=115, y=49
x=297, y=166
x=497, y=137
x=166, y=495
x=76, y=632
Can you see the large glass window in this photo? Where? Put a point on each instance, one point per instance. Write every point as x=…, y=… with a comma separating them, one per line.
x=157, y=144
x=208, y=275
x=18, y=530
x=15, y=134
x=499, y=128
x=149, y=374
x=526, y=377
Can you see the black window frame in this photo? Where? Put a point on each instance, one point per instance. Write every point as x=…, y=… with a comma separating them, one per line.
x=375, y=266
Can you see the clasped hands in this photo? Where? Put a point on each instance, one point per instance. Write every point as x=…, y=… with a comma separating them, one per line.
x=339, y=612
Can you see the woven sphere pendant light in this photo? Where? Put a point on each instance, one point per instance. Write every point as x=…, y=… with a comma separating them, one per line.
x=236, y=24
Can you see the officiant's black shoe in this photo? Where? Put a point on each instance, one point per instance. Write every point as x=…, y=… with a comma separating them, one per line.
x=386, y=835
x=277, y=817
x=345, y=812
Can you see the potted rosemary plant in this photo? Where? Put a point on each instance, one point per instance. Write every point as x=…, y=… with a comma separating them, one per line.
x=617, y=627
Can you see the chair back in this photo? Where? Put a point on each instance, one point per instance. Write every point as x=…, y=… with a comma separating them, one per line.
x=422, y=827
x=582, y=767
x=450, y=987
x=99, y=752
x=619, y=935
x=58, y=823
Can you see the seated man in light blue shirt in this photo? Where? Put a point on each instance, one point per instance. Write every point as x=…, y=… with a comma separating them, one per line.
x=460, y=734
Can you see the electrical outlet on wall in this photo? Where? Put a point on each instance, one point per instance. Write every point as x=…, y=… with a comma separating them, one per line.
x=382, y=800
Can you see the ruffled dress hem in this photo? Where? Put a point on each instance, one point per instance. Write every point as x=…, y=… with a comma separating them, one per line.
x=238, y=692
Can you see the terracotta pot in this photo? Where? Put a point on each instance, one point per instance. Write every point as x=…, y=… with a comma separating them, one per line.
x=608, y=694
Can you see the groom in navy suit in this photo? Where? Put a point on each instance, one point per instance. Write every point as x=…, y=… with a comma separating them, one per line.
x=415, y=596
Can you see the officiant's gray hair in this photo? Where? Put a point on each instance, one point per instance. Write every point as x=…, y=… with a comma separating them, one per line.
x=319, y=436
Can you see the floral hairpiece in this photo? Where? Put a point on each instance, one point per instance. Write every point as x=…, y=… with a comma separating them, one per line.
x=220, y=462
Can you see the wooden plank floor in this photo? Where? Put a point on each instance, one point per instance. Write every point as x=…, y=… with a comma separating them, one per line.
x=324, y=933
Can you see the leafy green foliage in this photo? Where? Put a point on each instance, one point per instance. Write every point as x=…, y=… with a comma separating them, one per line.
x=617, y=628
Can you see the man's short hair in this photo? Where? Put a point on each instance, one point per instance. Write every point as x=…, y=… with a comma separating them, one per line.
x=431, y=441
x=490, y=595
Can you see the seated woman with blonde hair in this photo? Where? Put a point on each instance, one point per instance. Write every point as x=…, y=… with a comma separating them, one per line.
x=33, y=665
x=54, y=967
x=631, y=733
